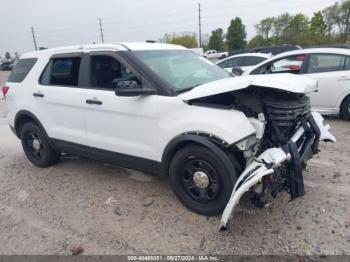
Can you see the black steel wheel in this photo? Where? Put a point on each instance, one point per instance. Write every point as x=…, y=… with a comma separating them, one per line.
x=37, y=147
x=201, y=180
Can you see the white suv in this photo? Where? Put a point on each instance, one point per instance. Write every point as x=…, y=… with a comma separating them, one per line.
x=164, y=109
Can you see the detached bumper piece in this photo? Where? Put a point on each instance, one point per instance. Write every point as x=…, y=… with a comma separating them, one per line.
x=293, y=156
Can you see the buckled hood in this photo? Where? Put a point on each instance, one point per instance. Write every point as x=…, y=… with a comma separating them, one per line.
x=287, y=82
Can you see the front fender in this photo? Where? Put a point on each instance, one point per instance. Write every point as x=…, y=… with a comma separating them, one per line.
x=229, y=125
x=211, y=143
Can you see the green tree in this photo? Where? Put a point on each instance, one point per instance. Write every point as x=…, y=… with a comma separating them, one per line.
x=280, y=24
x=298, y=24
x=188, y=40
x=265, y=27
x=236, y=34
x=216, y=40
x=318, y=24
x=329, y=15
x=258, y=41
x=7, y=55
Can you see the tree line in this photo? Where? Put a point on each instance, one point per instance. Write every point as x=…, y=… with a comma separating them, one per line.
x=328, y=26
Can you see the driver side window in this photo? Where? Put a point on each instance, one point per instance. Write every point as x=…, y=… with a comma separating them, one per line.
x=106, y=72
x=291, y=64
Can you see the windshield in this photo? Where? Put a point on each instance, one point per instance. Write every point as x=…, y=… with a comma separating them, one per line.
x=183, y=69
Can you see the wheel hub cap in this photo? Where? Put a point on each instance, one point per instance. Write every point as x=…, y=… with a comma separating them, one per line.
x=36, y=144
x=201, y=179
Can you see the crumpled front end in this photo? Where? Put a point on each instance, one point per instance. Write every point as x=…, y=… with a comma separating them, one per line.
x=282, y=165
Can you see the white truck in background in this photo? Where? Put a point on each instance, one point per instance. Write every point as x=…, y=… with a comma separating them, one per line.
x=215, y=54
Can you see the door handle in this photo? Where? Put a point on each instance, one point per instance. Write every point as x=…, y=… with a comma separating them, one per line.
x=93, y=101
x=38, y=94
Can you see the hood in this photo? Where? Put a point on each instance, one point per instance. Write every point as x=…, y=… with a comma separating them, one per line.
x=287, y=82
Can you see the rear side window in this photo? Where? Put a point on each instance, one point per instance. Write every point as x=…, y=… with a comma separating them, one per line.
x=320, y=63
x=61, y=72
x=252, y=60
x=21, y=69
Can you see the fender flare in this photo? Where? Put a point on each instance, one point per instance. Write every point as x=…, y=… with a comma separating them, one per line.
x=211, y=143
x=26, y=113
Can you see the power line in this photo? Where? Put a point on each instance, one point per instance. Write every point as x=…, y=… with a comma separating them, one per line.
x=36, y=48
x=101, y=29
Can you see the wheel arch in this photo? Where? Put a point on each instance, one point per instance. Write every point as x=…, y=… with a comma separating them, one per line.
x=211, y=142
x=343, y=100
x=23, y=117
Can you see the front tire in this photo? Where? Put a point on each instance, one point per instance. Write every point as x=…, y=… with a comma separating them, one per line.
x=345, y=108
x=200, y=180
x=36, y=146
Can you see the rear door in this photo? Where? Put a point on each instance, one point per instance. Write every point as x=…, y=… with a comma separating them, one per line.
x=59, y=98
x=332, y=71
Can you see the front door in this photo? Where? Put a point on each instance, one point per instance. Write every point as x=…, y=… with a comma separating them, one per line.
x=125, y=125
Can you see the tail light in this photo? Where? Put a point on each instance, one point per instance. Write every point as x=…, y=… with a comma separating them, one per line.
x=4, y=90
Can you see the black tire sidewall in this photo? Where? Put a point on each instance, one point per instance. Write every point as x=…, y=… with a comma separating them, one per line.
x=344, y=108
x=227, y=177
x=51, y=155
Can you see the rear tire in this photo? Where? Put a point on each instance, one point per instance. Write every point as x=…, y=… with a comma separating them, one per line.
x=36, y=146
x=345, y=108
x=200, y=180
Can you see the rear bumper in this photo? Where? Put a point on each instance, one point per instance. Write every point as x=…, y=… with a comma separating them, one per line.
x=293, y=156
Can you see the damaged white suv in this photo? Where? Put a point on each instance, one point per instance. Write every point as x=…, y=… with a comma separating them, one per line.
x=164, y=109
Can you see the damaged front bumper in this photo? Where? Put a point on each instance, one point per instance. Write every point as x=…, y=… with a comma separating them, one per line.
x=300, y=148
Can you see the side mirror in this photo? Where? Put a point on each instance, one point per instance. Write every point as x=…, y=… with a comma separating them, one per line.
x=237, y=71
x=132, y=88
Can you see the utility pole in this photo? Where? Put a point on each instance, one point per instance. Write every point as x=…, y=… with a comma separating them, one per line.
x=101, y=29
x=200, y=25
x=36, y=48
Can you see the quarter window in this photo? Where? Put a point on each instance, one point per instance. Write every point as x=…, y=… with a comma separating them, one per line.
x=21, y=69
x=320, y=63
x=61, y=72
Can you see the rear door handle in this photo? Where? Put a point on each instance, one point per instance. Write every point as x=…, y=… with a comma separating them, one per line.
x=93, y=101
x=38, y=94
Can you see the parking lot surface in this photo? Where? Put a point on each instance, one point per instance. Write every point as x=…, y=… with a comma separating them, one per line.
x=110, y=210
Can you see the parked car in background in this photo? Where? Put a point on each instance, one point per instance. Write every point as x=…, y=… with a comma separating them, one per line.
x=244, y=61
x=215, y=136
x=215, y=54
x=275, y=49
x=6, y=66
x=329, y=66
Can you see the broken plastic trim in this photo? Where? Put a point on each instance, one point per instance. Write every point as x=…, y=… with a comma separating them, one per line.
x=266, y=164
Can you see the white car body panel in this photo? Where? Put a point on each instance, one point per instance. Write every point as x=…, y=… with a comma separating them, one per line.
x=289, y=82
x=333, y=86
x=116, y=125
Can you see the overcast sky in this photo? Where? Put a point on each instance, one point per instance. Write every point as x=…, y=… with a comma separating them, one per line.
x=68, y=22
